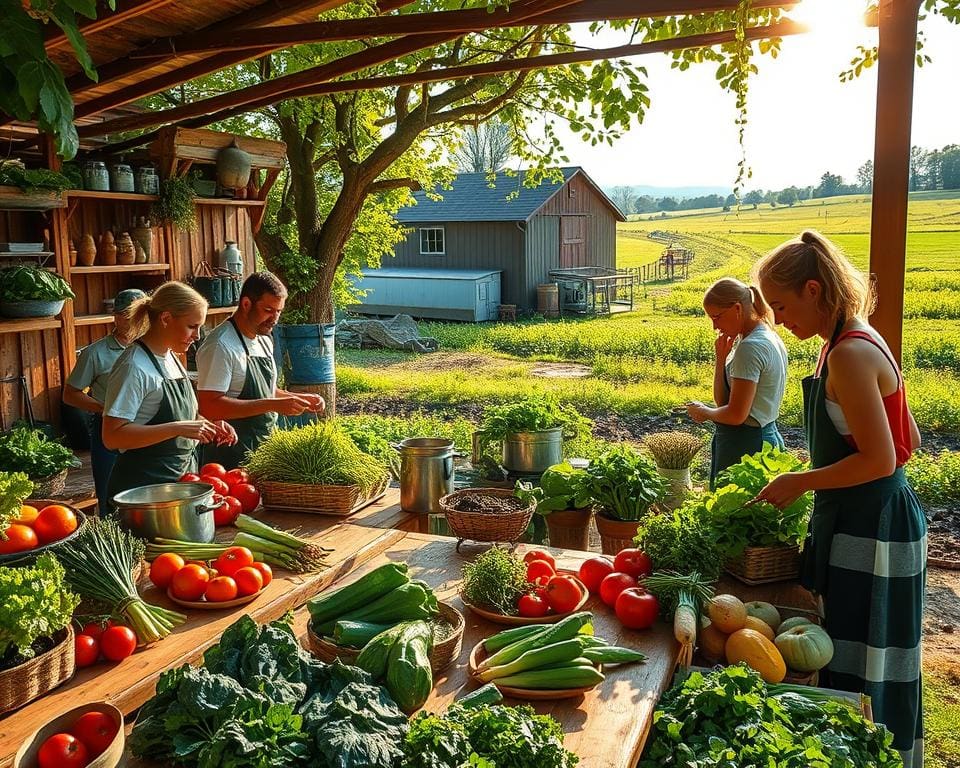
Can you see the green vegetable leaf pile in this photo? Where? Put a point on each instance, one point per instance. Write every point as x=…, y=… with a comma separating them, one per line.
x=15, y=488
x=730, y=719
x=624, y=483
x=678, y=541
x=495, y=580
x=561, y=487
x=487, y=737
x=25, y=283
x=261, y=701
x=27, y=450
x=35, y=603
x=532, y=414
x=12, y=174
x=758, y=525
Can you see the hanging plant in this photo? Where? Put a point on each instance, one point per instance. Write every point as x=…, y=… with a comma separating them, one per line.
x=175, y=204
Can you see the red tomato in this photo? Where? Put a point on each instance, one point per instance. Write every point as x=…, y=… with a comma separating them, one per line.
x=54, y=522
x=563, y=594
x=118, y=642
x=163, y=568
x=636, y=608
x=189, y=583
x=266, y=572
x=19, y=538
x=96, y=730
x=537, y=569
x=532, y=606
x=219, y=486
x=86, y=650
x=237, y=476
x=62, y=750
x=213, y=470
x=230, y=511
x=249, y=581
x=593, y=571
x=540, y=554
x=233, y=559
x=248, y=496
x=613, y=585
x=221, y=589
x=190, y=477
x=634, y=562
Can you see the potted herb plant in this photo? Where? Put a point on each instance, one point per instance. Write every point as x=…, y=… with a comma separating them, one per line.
x=565, y=505
x=673, y=452
x=531, y=433
x=29, y=291
x=624, y=485
x=175, y=203
x=44, y=461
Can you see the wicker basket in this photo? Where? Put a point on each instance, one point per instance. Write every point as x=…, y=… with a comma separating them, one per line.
x=52, y=487
x=477, y=526
x=318, y=499
x=29, y=557
x=764, y=565
x=25, y=682
x=442, y=656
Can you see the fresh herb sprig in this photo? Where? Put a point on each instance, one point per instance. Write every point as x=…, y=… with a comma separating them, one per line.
x=496, y=579
x=678, y=541
x=624, y=483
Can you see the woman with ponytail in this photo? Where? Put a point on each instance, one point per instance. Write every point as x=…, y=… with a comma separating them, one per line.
x=749, y=375
x=150, y=412
x=867, y=548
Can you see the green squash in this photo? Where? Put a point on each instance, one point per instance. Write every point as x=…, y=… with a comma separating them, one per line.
x=766, y=612
x=793, y=621
x=806, y=648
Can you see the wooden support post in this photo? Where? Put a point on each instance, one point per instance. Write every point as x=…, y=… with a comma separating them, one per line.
x=891, y=164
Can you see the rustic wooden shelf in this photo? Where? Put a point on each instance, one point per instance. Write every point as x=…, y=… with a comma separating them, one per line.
x=23, y=324
x=16, y=199
x=92, y=319
x=249, y=202
x=120, y=268
x=90, y=194
x=221, y=310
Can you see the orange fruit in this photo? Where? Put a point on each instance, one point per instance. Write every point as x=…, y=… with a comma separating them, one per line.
x=221, y=589
x=19, y=538
x=164, y=567
x=54, y=522
x=189, y=583
x=27, y=515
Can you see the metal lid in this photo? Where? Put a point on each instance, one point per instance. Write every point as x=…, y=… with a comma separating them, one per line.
x=162, y=494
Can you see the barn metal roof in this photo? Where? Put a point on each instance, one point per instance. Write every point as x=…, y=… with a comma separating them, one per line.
x=430, y=274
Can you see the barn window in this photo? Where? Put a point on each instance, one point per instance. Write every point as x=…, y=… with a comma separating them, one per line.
x=431, y=241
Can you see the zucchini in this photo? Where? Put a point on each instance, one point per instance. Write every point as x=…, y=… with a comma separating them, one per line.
x=580, y=661
x=331, y=605
x=409, y=675
x=356, y=634
x=407, y=602
x=502, y=639
x=564, y=651
x=482, y=697
x=553, y=679
x=614, y=655
x=375, y=654
x=565, y=629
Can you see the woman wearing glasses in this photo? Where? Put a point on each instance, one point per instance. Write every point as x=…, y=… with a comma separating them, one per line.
x=749, y=377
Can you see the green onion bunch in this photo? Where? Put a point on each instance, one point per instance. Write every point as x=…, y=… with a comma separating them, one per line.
x=99, y=563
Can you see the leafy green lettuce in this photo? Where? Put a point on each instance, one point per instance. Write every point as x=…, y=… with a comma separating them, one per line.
x=15, y=488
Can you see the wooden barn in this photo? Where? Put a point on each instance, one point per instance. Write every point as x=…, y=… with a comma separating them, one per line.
x=524, y=232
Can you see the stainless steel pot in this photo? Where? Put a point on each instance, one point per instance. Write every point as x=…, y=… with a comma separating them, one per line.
x=426, y=473
x=532, y=452
x=169, y=510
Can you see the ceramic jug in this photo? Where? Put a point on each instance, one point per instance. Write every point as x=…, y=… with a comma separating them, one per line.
x=125, y=252
x=230, y=258
x=108, y=249
x=143, y=234
x=87, y=252
x=233, y=167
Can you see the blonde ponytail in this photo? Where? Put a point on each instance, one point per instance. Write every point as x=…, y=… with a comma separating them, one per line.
x=174, y=297
x=728, y=291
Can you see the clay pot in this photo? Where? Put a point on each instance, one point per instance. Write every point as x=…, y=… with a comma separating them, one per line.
x=108, y=249
x=73, y=254
x=143, y=235
x=125, y=251
x=140, y=256
x=87, y=252
x=233, y=167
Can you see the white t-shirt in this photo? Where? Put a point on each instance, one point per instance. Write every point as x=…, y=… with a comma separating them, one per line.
x=222, y=362
x=761, y=357
x=94, y=365
x=135, y=387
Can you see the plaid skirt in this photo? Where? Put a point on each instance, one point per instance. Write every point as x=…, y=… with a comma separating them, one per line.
x=873, y=602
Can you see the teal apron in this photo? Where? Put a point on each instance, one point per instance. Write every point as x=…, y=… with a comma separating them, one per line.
x=731, y=443
x=168, y=460
x=865, y=555
x=252, y=430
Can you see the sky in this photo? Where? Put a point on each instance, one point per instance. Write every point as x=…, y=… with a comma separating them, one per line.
x=802, y=120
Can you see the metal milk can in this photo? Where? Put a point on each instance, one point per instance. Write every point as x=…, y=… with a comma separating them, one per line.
x=426, y=473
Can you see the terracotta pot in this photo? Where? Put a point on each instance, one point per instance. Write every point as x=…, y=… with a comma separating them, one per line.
x=125, y=251
x=108, y=249
x=570, y=528
x=615, y=534
x=87, y=252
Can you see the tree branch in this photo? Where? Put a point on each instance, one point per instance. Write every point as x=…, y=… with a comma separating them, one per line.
x=384, y=185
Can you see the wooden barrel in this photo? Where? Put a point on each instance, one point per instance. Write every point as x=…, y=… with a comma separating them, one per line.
x=548, y=300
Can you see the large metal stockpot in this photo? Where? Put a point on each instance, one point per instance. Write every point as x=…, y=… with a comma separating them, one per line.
x=426, y=473
x=181, y=511
x=532, y=452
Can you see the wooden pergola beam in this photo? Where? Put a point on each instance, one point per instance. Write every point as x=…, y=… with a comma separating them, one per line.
x=274, y=90
x=891, y=164
x=126, y=10
x=469, y=20
x=781, y=29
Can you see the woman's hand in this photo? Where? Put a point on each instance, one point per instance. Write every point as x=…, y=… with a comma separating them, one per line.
x=722, y=345
x=784, y=489
x=317, y=403
x=698, y=411
x=225, y=433
x=200, y=430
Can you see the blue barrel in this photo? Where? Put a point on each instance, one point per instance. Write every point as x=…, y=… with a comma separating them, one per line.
x=305, y=353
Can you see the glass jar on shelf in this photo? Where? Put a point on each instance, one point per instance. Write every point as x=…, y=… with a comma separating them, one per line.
x=121, y=177
x=95, y=176
x=146, y=181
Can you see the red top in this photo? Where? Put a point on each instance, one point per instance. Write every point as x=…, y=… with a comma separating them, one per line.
x=894, y=404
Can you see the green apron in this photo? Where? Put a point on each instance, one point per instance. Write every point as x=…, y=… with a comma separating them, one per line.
x=168, y=460
x=252, y=430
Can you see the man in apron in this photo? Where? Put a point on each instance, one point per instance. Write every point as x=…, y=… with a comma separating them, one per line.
x=237, y=375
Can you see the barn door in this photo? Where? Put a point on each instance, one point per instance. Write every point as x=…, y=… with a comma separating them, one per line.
x=572, y=241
